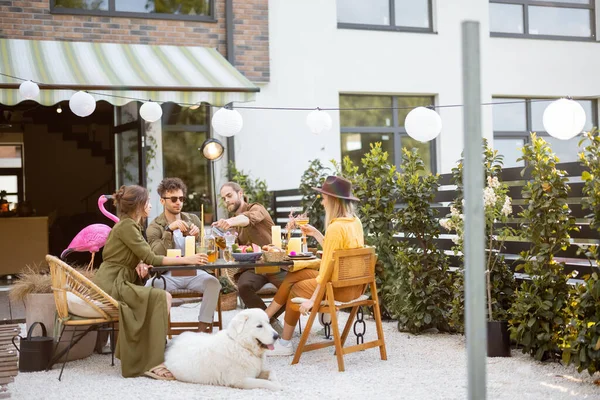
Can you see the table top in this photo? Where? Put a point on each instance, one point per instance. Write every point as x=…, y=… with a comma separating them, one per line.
x=221, y=264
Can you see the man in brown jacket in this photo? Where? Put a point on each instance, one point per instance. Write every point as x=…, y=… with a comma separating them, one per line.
x=253, y=224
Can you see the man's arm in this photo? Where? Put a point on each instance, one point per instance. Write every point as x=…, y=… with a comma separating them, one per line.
x=239, y=220
x=159, y=239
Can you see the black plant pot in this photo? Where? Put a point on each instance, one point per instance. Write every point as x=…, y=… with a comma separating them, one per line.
x=498, y=339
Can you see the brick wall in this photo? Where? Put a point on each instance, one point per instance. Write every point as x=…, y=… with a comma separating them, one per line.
x=21, y=19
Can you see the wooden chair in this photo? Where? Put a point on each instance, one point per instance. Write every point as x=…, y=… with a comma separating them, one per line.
x=354, y=267
x=176, y=328
x=65, y=280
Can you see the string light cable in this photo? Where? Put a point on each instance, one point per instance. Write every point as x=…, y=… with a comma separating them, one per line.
x=563, y=118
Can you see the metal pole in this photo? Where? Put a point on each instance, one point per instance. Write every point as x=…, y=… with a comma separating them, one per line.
x=476, y=329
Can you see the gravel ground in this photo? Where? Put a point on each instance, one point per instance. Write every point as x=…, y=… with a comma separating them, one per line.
x=429, y=366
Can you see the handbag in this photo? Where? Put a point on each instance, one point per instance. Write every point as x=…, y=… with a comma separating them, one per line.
x=36, y=351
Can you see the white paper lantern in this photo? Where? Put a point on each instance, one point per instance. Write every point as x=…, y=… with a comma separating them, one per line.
x=151, y=111
x=227, y=122
x=423, y=124
x=29, y=90
x=82, y=104
x=318, y=121
x=564, y=119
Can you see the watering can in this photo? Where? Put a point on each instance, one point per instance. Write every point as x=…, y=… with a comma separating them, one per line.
x=36, y=351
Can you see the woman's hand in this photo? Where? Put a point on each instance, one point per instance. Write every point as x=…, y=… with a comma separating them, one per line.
x=306, y=306
x=309, y=230
x=142, y=269
x=196, y=259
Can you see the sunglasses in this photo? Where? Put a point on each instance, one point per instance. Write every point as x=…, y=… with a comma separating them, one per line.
x=175, y=198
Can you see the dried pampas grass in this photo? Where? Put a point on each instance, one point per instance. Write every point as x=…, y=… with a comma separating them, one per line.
x=36, y=279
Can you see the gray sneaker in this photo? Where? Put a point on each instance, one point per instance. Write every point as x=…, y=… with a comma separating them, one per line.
x=277, y=326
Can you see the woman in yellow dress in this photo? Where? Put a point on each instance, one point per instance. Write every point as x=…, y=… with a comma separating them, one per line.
x=344, y=231
x=143, y=311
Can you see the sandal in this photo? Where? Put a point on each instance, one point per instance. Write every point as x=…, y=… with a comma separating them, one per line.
x=160, y=372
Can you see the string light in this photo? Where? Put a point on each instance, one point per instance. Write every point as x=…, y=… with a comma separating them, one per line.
x=562, y=120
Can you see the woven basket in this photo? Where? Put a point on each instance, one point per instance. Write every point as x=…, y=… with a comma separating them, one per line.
x=275, y=256
x=229, y=301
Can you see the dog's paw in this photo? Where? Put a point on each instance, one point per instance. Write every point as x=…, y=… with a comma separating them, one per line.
x=275, y=386
x=272, y=377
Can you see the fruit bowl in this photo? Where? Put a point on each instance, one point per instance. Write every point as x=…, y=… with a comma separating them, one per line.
x=246, y=257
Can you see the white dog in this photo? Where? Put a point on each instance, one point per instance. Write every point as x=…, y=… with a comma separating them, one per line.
x=233, y=357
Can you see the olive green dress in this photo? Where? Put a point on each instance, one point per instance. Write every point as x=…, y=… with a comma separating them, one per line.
x=143, y=315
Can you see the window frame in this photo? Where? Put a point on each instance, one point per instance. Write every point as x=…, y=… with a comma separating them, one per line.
x=111, y=12
x=526, y=135
x=19, y=172
x=395, y=129
x=552, y=4
x=391, y=27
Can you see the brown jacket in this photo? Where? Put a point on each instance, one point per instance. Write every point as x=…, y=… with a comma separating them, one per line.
x=258, y=230
x=161, y=240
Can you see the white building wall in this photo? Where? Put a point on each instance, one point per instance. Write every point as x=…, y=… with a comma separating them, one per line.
x=312, y=62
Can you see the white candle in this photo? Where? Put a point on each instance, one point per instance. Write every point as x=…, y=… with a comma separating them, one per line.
x=173, y=253
x=295, y=244
x=190, y=245
x=276, y=235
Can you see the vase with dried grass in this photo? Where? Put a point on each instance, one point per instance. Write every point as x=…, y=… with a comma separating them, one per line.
x=33, y=287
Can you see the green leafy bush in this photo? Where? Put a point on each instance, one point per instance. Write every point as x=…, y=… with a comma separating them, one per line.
x=583, y=345
x=378, y=194
x=541, y=307
x=255, y=189
x=418, y=289
x=500, y=283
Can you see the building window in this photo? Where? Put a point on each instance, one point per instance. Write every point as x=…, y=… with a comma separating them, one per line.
x=202, y=10
x=384, y=124
x=184, y=131
x=514, y=121
x=11, y=173
x=402, y=15
x=549, y=19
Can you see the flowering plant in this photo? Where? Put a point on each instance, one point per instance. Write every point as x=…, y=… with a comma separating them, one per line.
x=497, y=210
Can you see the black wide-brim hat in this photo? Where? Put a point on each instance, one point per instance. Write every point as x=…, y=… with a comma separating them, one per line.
x=337, y=186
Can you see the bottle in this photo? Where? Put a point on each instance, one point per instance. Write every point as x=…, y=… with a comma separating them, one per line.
x=228, y=251
x=211, y=247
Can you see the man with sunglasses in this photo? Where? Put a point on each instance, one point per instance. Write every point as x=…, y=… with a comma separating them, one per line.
x=167, y=231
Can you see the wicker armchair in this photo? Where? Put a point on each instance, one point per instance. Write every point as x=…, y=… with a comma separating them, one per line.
x=67, y=280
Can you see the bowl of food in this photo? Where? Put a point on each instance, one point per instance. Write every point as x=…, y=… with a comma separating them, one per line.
x=272, y=253
x=246, y=257
x=246, y=253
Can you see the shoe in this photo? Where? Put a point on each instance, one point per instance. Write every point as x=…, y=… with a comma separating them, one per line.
x=281, y=350
x=275, y=324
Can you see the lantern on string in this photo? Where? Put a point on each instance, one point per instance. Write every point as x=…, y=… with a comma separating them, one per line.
x=151, y=111
x=318, y=121
x=29, y=90
x=564, y=119
x=227, y=122
x=82, y=104
x=423, y=124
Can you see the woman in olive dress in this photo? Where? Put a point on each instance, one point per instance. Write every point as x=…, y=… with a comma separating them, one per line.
x=143, y=311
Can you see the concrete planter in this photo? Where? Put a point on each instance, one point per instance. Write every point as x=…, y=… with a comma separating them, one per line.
x=40, y=307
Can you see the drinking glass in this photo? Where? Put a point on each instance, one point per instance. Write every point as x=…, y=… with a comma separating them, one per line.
x=300, y=222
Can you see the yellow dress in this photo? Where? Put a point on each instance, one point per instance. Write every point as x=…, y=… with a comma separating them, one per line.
x=143, y=316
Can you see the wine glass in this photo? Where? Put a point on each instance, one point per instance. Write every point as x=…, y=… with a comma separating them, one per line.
x=300, y=221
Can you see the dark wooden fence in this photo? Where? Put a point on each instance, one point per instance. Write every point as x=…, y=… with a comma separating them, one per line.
x=286, y=199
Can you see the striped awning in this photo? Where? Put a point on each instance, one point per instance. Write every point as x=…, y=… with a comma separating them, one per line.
x=120, y=73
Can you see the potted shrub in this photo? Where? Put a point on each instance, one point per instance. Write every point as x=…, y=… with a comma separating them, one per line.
x=541, y=309
x=228, y=294
x=419, y=288
x=34, y=288
x=500, y=283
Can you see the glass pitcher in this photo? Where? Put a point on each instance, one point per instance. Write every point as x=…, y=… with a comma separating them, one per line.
x=211, y=247
x=228, y=251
